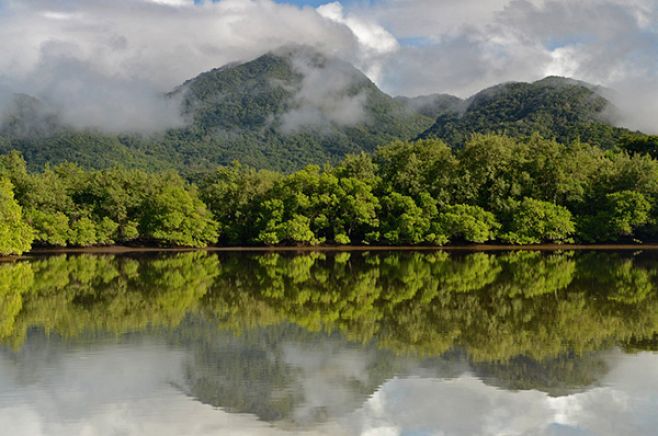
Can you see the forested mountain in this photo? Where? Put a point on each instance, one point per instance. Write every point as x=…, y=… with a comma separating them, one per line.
x=288, y=108
x=554, y=107
x=295, y=106
x=282, y=110
x=36, y=130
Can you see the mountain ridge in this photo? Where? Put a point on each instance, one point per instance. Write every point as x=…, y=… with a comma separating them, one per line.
x=555, y=107
x=296, y=106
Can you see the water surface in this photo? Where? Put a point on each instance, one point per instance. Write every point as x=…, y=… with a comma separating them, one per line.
x=364, y=343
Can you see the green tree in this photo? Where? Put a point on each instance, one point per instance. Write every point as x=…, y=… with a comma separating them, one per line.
x=414, y=168
x=622, y=214
x=405, y=222
x=533, y=221
x=233, y=195
x=490, y=171
x=468, y=223
x=174, y=214
x=15, y=235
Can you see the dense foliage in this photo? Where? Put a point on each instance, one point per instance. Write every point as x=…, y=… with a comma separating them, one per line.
x=67, y=206
x=15, y=235
x=554, y=107
x=495, y=189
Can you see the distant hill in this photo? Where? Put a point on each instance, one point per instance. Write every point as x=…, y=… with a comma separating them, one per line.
x=35, y=130
x=286, y=109
x=554, y=107
x=283, y=110
x=296, y=106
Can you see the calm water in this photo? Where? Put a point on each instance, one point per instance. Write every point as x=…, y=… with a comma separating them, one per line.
x=375, y=344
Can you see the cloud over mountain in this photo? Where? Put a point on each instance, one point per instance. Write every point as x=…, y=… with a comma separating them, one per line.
x=133, y=50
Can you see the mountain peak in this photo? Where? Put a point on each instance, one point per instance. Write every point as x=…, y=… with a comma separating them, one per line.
x=558, y=81
x=555, y=107
x=291, y=96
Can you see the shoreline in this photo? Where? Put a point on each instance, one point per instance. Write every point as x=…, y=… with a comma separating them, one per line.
x=121, y=249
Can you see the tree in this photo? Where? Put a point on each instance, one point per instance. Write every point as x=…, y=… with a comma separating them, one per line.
x=298, y=230
x=468, y=223
x=533, y=221
x=622, y=214
x=413, y=168
x=405, y=222
x=490, y=171
x=233, y=194
x=15, y=235
x=174, y=214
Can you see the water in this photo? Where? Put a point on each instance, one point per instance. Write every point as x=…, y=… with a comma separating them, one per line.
x=375, y=344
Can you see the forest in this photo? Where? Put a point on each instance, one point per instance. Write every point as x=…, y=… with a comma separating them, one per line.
x=496, y=189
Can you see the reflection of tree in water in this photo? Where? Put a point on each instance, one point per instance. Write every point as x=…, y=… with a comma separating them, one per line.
x=496, y=307
x=78, y=295
x=558, y=376
x=524, y=319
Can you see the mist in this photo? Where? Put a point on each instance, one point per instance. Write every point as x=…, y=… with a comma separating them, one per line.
x=326, y=96
x=79, y=97
x=107, y=65
x=635, y=105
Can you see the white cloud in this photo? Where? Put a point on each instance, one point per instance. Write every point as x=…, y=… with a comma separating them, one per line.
x=324, y=98
x=370, y=34
x=375, y=41
x=406, y=46
x=177, y=3
x=128, y=52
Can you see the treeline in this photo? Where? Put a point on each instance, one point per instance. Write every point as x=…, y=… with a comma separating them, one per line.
x=495, y=189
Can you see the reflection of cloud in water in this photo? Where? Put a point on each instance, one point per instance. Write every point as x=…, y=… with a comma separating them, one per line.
x=626, y=404
x=130, y=390
x=114, y=390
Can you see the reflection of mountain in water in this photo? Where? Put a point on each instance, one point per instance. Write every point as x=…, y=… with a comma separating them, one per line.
x=302, y=338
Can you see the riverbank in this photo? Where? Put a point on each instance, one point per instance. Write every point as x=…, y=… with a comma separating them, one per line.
x=120, y=249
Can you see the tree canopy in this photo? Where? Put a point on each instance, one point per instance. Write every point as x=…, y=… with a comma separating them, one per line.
x=495, y=189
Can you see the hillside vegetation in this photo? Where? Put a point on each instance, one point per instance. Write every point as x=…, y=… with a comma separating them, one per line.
x=280, y=111
x=558, y=108
x=294, y=107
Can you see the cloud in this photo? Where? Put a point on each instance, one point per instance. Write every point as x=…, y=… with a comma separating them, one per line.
x=83, y=97
x=375, y=42
x=129, y=52
x=327, y=94
x=107, y=64
x=461, y=47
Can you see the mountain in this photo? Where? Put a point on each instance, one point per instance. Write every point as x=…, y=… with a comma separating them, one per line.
x=288, y=108
x=35, y=130
x=295, y=106
x=554, y=107
x=283, y=110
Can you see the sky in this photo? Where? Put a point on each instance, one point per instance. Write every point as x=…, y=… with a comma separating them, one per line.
x=78, y=52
